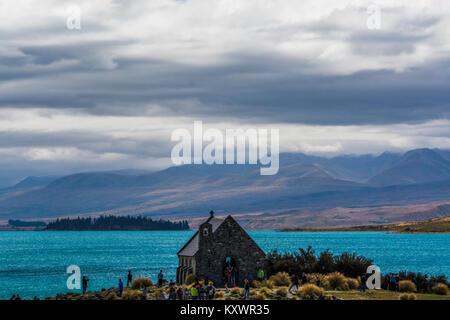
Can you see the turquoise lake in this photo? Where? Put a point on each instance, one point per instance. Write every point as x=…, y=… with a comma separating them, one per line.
x=34, y=263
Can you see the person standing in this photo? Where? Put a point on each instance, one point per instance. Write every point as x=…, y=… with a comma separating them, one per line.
x=84, y=284
x=304, y=278
x=363, y=283
x=228, y=270
x=260, y=275
x=120, y=287
x=129, y=278
x=211, y=292
x=144, y=293
x=386, y=281
x=397, y=282
x=246, y=289
x=391, y=281
x=194, y=293
x=160, y=278
x=233, y=276
x=294, y=279
x=180, y=293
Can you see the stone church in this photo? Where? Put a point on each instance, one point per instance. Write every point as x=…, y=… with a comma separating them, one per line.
x=216, y=243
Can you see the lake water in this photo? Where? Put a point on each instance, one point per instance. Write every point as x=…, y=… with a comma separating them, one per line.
x=34, y=263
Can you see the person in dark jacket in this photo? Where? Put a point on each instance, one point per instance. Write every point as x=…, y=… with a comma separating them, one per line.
x=129, y=278
x=84, y=283
x=294, y=280
x=120, y=287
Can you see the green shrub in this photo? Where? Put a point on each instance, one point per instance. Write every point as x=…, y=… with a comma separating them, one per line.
x=412, y=297
x=406, y=286
x=312, y=278
x=351, y=265
x=440, y=288
x=337, y=281
x=310, y=292
x=306, y=261
x=141, y=282
x=281, y=279
x=422, y=281
x=190, y=279
x=255, y=284
x=281, y=291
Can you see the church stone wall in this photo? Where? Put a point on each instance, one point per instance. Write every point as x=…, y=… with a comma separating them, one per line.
x=229, y=240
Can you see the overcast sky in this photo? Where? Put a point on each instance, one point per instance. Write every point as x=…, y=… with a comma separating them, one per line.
x=108, y=95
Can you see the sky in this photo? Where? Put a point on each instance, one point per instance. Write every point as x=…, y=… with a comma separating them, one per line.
x=100, y=85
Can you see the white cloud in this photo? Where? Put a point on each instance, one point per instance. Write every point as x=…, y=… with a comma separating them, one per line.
x=112, y=92
x=325, y=34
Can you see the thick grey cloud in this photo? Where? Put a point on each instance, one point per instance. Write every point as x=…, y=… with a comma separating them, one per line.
x=161, y=64
x=90, y=70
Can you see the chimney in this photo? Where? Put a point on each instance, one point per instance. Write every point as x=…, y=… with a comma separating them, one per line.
x=211, y=213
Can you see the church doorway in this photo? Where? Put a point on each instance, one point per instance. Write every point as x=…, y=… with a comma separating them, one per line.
x=230, y=271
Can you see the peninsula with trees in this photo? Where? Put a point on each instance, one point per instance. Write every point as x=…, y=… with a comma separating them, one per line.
x=115, y=223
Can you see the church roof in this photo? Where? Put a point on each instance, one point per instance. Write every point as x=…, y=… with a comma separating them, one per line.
x=191, y=247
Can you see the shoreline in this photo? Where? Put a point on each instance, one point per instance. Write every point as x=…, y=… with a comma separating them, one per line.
x=430, y=226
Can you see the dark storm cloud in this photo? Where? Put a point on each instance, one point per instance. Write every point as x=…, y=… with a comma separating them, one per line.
x=91, y=73
x=258, y=88
x=138, y=69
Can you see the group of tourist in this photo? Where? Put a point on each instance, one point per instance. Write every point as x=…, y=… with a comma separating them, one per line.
x=230, y=274
x=295, y=281
x=391, y=281
x=198, y=291
x=85, y=279
x=205, y=290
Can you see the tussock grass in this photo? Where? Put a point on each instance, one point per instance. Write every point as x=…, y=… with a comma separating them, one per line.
x=265, y=290
x=406, y=286
x=131, y=294
x=337, y=281
x=440, y=288
x=310, y=291
x=352, y=284
x=281, y=279
x=259, y=296
x=267, y=283
x=141, y=282
x=236, y=291
x=190, y=279
x=281, y=291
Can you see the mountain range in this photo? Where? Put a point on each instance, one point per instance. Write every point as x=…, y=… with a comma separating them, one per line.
x=307, y=190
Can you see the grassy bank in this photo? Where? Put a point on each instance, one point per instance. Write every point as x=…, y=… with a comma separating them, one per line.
x=334, y=286
x=438, y=225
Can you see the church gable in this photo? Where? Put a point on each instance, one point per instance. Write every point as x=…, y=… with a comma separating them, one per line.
x=217, y=243
x=231, y=234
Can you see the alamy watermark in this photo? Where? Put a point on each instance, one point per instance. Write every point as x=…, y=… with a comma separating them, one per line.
x=236, y=146
x=74, y=280
x=374, y=280
x=73, y=21
x=374, y=20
